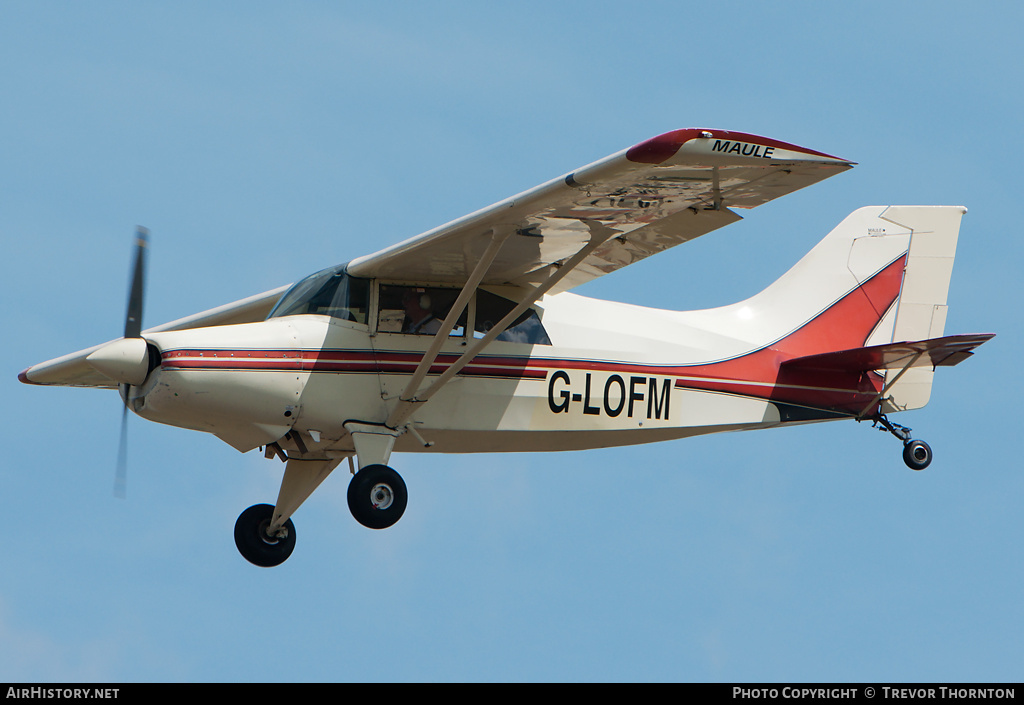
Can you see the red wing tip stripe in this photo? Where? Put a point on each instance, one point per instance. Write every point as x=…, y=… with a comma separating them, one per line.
x=23, y=377
x=660, y=149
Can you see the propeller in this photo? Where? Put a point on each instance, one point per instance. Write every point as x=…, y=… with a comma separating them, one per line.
x=132, y=331
x=127, y=360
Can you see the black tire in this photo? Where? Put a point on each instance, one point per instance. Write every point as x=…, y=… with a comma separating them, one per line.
x=377, y=496
x=917, y=455
x=252, y=540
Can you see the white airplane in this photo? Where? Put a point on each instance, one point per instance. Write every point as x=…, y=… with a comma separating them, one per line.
x=465, y=340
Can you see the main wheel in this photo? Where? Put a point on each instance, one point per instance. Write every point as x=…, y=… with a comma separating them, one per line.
x=917, y=455
x=377, y=496
x=258, y=547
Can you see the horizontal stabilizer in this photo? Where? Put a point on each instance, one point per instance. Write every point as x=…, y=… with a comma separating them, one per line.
x=934, y=352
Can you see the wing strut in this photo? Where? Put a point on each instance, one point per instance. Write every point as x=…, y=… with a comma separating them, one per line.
x=599, y=234
x=498, y=237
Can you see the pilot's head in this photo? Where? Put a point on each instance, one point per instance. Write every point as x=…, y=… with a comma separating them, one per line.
x=416, y=302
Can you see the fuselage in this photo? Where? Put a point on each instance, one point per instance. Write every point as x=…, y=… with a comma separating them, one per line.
x=613, y=374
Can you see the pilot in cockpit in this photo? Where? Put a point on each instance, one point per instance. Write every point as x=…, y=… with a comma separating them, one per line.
x=419, y=313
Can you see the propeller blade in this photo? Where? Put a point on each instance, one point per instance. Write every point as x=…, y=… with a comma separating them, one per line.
x=121, y=477
x=133, y=319
x=132, y=329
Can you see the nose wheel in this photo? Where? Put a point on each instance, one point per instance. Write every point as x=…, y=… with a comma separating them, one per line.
x=916, y=454
x=377, y=496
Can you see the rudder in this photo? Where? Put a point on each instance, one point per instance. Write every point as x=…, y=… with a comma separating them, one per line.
x=921, y=309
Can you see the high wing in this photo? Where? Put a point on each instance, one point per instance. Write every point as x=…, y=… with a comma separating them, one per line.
x=646, y=199
x=619, y=210
x=73, y=370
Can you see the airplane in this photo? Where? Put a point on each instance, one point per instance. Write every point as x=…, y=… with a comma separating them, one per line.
x=466, y=339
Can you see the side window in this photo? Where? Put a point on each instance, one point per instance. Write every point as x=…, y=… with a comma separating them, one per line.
x=420, y=310
x=491, y=308
x=417, y=310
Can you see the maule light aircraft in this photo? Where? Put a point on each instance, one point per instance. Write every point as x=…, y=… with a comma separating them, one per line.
x=465, y=339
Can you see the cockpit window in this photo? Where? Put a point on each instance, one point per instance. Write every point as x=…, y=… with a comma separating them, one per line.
x=416, y=310
x=420, y=310
x=491, y=308
x=328, y=293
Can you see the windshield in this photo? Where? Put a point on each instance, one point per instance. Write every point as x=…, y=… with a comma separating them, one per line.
x=331, y=292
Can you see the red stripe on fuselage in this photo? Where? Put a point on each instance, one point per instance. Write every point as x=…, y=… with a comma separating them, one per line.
x=341, y=361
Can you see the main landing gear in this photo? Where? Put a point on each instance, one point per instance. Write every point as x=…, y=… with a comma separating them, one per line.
x=916, y=454
x=377, y=498
x=259, y=546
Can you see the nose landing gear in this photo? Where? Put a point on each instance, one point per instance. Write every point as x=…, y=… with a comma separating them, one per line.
x=916, y=454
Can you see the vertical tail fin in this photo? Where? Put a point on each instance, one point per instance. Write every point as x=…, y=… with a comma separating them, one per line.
x=853, y=329
x=880, y=277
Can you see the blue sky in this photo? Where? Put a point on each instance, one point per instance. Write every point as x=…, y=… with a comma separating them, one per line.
x=261, y=141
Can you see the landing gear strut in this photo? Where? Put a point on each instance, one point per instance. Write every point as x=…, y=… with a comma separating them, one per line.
x=916, y=454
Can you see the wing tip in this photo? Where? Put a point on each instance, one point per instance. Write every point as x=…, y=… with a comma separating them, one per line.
x=660, y=149
x=23, y=377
